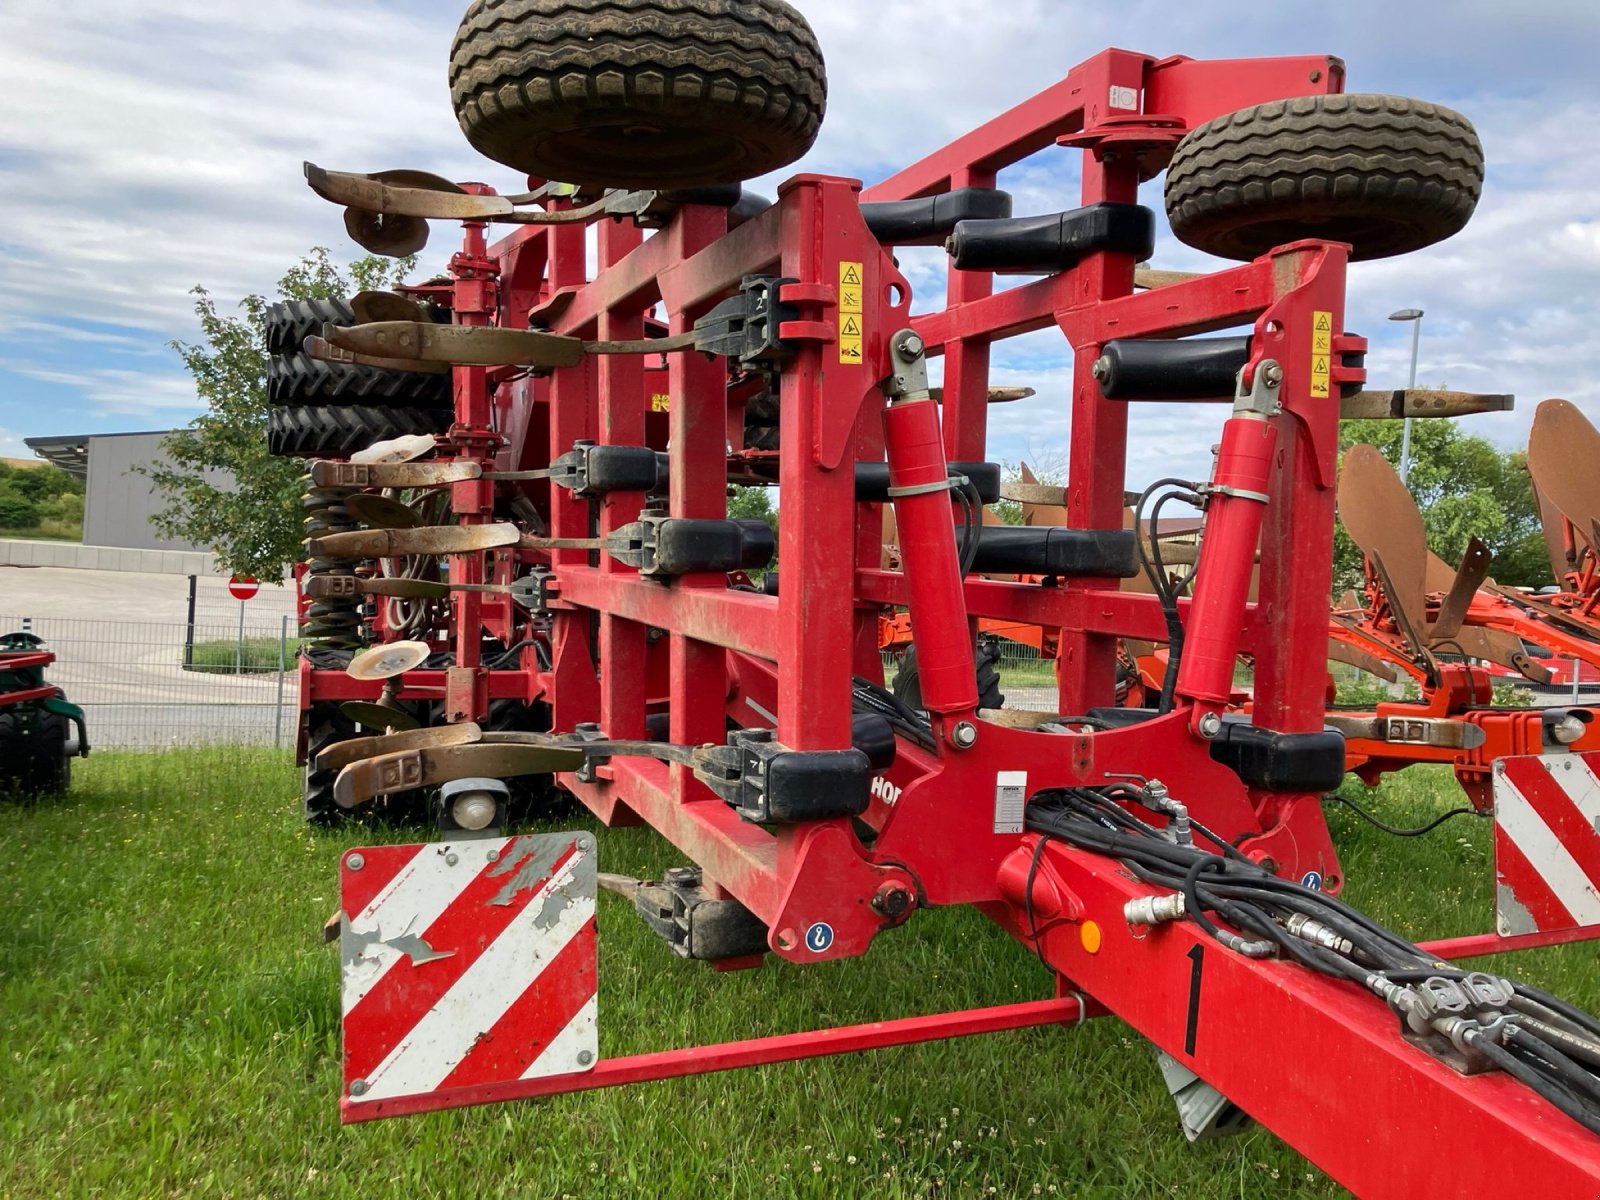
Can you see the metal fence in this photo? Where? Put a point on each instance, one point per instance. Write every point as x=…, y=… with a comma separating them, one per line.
x=145, y=684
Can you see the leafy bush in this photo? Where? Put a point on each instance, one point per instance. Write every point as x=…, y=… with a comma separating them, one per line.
x=16, y=510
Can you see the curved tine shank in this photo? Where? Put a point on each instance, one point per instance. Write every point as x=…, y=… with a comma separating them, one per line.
x=342, y=754
x=360, y=781
x=1382, y=519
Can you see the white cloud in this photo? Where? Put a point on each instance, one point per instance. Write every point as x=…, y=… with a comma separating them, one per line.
x=148, y=147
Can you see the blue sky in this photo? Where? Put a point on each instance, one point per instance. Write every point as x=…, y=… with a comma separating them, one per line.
x=149, y=147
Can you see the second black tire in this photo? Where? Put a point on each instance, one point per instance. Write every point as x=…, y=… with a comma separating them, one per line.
x=1384, y=173
x=338, y=431
x=297, y=378
x=638, y=93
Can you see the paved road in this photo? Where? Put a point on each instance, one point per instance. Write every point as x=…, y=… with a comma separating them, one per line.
x=119, y=637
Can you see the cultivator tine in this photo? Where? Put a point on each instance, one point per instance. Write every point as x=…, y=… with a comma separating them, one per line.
x=1382, y=519
x=321, y=348
x=1443, y=732
x=1420, y=402
x=360, y=781
x=328, y=473
x=341, y=754
x=425, y=539
x=997, y=395
x=1471, y=575
x=465, y=345
x=1034, y=494
x=403, y=193
x=324, y=586
x=381, y=512
x=1563, y=448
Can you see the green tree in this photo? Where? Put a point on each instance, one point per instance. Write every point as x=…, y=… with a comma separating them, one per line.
x=221, y=488
x=16, y=510
x=755, y=503
x=44, y=483
x=1465, y=486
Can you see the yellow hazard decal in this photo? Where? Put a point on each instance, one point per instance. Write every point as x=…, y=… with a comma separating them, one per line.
x=1321, y=353
x=661, y=402
x=850, y=319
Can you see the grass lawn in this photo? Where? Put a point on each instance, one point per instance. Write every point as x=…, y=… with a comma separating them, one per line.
x=169, y=1025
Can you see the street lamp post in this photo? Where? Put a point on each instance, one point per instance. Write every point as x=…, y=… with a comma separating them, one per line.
x=1414, y=315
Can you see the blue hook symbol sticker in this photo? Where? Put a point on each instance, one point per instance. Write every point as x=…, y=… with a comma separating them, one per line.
x=819, y=937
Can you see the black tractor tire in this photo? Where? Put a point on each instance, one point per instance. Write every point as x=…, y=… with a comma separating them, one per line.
x=32, y=764
x=290, y=322
x=339, y=430
x=325, y=725
x=638, y=93
x=1384, y=173
x=297, y=378
x=907, y=686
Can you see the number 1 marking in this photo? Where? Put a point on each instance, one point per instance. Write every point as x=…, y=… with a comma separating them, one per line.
x=1197, y=954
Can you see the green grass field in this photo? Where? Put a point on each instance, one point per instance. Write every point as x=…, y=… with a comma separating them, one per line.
x=227, y=656
x=170, y=1028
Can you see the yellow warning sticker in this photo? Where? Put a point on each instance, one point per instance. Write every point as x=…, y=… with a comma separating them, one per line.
x=661, y=402
x=850, y=313
x=1321, y=353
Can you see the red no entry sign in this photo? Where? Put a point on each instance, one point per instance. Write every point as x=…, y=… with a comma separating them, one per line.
x=243, y=589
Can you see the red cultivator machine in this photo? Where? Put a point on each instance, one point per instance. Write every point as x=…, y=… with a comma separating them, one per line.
x=540, y=583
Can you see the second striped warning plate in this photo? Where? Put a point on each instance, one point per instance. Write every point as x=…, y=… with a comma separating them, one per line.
x=1546, y=842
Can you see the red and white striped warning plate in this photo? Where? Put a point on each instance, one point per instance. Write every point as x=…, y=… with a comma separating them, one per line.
x=466, y=965
x=1546, y=842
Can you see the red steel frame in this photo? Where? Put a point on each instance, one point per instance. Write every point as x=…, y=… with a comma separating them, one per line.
x=1306, y=1055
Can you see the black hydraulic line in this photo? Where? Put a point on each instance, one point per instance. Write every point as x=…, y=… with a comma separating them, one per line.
x=1418, y=831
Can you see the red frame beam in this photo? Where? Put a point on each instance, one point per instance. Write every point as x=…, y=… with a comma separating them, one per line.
x=729, y=1056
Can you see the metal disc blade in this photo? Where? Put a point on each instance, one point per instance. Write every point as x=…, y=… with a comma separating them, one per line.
x=384, y=233
x=342, y=754
x=396, y=450
x=371, y=715
x=388, y=660
x=361, y=781
x=1563, y=448
x=1382, y=519
x=380, y=511
x=386, y=306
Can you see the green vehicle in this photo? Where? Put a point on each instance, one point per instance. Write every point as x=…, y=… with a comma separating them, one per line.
x=40, y=732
